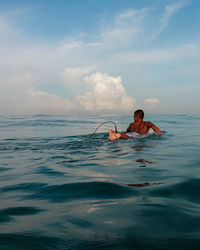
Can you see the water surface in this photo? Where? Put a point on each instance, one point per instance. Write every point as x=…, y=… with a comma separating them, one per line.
x=61, y=191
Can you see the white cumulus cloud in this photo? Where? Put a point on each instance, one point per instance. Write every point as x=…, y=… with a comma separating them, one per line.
x=105, y=93
x=75, y=75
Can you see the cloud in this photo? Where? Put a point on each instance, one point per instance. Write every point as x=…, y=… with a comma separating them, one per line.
x=123, y=30
x=151, y=103
x=27, y=69
x=19, y=96
x=9, y=35
x=75, y=75
x=120, y=32
x=105, y=93
x=170, y=11
x=77, y=44
x=167, y=55
x=131, y=27
x=32, y=74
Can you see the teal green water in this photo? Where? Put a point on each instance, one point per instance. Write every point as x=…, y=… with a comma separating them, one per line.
x=60, y=192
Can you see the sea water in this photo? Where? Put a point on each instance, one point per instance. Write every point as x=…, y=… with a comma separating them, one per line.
x=61, y=189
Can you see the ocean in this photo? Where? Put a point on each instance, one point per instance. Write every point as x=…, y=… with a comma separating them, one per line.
x=61, y=188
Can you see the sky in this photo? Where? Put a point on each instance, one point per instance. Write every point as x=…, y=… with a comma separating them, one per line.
x=99, y=56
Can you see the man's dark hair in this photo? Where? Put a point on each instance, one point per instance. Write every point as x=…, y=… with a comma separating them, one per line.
x=139, y=113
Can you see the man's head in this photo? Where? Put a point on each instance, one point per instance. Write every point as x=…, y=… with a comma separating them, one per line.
x=138, y=115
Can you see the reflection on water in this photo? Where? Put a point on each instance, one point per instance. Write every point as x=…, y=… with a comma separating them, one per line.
x=145, y=184
x=144, y=162
x=139, y=185
x=117, y=162
x=140, y=147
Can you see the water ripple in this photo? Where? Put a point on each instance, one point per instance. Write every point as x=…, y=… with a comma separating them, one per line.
x=62, y=189
x=8, y=213
x=85, y=190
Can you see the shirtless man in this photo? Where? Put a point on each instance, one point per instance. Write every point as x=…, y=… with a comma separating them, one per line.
x=138, y=127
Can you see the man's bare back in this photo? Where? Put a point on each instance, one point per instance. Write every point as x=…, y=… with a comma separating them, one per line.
x=142, y=127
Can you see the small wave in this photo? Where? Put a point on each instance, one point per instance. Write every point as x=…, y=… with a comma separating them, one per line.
x=71, y=191
x=25, y=187
x=186, y=189
x=30, y=241
x=3, y=169
x=41, y=121
x=8, y=213
x=58, y=143
x=48, y=171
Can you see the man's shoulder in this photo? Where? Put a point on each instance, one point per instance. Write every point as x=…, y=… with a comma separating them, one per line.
x=132, y=124
x=148, y=123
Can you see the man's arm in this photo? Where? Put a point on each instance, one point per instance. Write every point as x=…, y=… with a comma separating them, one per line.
x=123, y=136
x=129, y=128
x=155, y=128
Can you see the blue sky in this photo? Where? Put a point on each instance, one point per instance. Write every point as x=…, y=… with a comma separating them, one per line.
x=99, y=56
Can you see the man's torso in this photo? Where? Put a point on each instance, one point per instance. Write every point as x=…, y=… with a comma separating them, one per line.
x=141, y=128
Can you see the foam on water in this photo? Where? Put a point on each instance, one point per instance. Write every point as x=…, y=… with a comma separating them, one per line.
x=61, y=191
